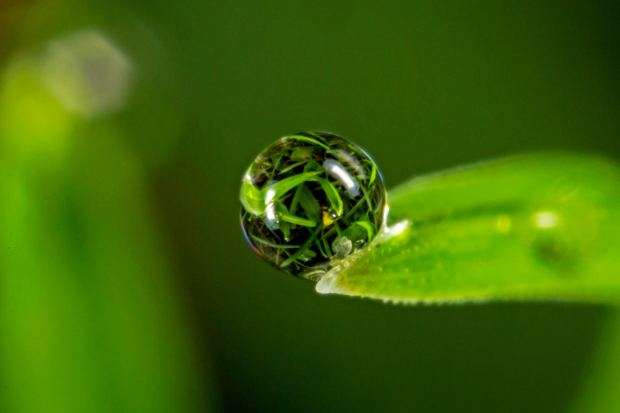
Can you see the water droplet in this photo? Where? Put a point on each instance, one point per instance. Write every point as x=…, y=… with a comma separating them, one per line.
x=301, y=198
x=342, y=247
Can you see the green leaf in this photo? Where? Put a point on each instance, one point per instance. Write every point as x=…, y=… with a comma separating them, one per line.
x=252, y=198
x=373, y=174
x=293, y=219
x=271, y=244
x=90, y=320
x=285, y=227
x=332, y=194
x=304, y=246
x=307, y=255
x=370, y=229
x=354, y=233
x=309, y=204
x=303, y=153
x=312, y=166
x=309, y=140
x=285, y=185
x=527, y=227
x=288, y=168
x=319, y=137
x=320, y=247
x=295, y=200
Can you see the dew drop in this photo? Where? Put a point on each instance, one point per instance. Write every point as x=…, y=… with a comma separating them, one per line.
x=342, y=247
x=302, y=207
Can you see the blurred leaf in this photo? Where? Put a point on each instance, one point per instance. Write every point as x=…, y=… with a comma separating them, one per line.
x=527, y=227
x=90, y=318
x=599, y=392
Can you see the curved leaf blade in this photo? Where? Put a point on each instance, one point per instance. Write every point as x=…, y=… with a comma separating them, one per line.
x=309, y=204
x=310, y=140
x=370, y=229
x=527, y=227
x=332, y=195
x=252, y=199
x=285, y=185
x=294, y=219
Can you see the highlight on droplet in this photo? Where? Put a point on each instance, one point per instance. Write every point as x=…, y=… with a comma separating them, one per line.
x=270, y=208
x=336, y=170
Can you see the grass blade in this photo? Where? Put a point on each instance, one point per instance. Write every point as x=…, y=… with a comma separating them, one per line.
x=271, y=244
x=294, y=219
x=527, y=227
x=304, y=246
x=285, y=185
x=332, y=194
x=309, y=140
x=252, y=199
x=373, y=174
x=292, y=166
x=370, y=229
x=309, y=204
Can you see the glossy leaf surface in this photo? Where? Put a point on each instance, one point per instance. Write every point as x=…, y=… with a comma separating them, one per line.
x=526, y=227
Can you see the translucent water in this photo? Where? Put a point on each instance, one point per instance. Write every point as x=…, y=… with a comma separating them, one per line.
x=309, y=200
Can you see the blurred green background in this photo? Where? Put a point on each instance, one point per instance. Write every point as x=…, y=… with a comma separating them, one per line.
x=125, y=282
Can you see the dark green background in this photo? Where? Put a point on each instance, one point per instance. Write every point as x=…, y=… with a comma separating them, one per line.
x=420, y=86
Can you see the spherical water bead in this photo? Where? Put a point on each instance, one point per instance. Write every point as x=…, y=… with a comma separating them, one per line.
x=310, y=199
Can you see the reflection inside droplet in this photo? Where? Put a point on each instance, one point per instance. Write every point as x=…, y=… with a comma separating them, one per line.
x=301, y=208
x=347, y=158
x=335, y=169
x=270, y=207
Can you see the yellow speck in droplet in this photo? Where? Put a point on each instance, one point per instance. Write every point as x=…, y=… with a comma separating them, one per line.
x=327, y=221
x=503, y=223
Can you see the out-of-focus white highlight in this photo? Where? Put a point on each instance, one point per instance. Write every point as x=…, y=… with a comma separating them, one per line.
x=351, y=161
x=336, y=170
x=270, y=209
x=394, y=230
x=546, y=219
x=87, y=73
